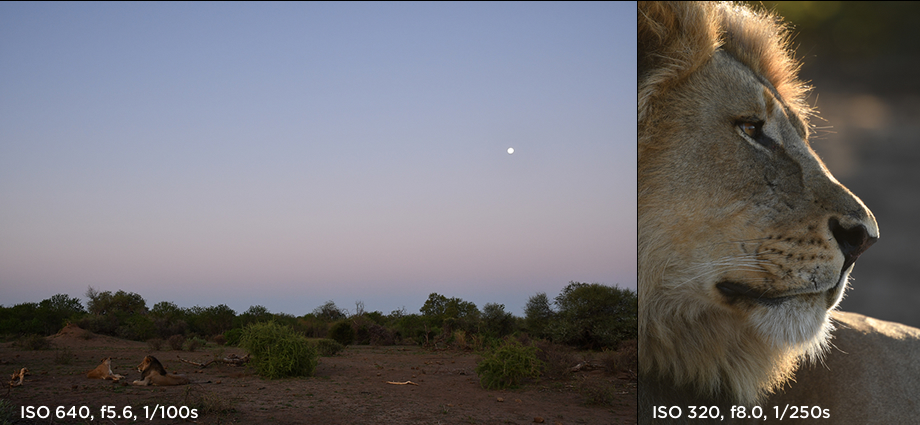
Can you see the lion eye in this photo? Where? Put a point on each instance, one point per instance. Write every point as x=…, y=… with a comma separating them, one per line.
x=753, y=131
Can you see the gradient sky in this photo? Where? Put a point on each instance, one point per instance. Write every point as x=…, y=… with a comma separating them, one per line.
x=288, y=154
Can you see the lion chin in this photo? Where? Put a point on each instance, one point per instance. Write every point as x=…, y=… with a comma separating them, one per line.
x=746, y=240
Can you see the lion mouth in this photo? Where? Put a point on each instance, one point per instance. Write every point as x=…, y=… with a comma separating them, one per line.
x=735, y=292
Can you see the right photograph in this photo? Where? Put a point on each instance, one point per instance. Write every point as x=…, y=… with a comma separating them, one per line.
x=775, y=149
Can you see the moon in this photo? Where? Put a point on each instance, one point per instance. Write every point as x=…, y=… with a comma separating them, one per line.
x=510, y=151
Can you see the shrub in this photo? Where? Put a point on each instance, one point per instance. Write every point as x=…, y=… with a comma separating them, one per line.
x=219, y=339
x=380, y=335
x=461, y=340
x=33, y=342
x=594, y=316
x=496, y=322
x=233, y=336
x=155, y=344
x=342, y=332
x=626, y=359
x=278, y=351
x=208, y=403
x=507, y=365
x=194, y=343
x=176, y=342
x=139, y=328
x=597, y=392
x=105, y=325
x=538, y=315
x=328, y=347
x=329, y=312
x=362, y=332
x=557, y=359
x=313, y=327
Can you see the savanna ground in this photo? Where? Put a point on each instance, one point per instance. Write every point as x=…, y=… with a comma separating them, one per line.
x=348, y=388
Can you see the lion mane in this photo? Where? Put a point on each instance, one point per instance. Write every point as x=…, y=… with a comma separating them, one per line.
x=153, y=373
x=745, y=239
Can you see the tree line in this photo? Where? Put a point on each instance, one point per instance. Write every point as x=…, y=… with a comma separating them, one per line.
x=590, y=316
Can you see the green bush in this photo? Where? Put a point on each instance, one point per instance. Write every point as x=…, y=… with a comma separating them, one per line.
x=328, y=347
x=278, y=351
x=507, y=365
x=538, y=315
x=594, y=316
x=195, y=343
x=496, y=322
x=233, y=336
x=342, y=332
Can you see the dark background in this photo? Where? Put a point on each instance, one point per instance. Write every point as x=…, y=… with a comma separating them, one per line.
x=863, y=60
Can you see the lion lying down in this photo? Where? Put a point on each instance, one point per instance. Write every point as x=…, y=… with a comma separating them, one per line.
x=153, y=373
x=21, y=375
x=104, y=371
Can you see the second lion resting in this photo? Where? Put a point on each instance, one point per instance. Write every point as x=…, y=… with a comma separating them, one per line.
x=153, y=373
x=104, y=371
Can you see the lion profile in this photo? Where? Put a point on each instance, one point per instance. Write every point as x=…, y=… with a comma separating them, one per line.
x=153, y=373
x=104, y=371
x=745, y=240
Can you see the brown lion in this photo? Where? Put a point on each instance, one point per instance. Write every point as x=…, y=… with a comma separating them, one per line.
x=746, y=241
x=104, y=371
x=153, y=373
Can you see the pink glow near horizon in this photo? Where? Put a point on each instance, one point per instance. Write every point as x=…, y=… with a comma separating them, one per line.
x=285, y=155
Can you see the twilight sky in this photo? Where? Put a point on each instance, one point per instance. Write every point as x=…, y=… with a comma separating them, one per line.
x=288, y=154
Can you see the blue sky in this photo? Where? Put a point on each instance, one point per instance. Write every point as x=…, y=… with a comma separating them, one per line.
x=288, y=154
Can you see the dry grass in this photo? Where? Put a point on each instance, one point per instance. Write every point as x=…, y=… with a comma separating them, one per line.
x=626, y=358
x=557, y=359
x=155, y=344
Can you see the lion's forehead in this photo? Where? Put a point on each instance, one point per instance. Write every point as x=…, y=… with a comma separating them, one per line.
x=736, y=89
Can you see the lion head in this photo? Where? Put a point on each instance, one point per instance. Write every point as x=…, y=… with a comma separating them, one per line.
x=746, y=240
x=104, y=371
x=150, y=365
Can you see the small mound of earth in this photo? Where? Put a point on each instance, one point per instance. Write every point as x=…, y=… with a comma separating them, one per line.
x=73, y=336
x=72, y=330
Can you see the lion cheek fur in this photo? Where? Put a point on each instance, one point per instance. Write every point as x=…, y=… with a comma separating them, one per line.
x=723, y=353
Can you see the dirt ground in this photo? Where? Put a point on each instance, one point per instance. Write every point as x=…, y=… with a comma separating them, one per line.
x=349, y=388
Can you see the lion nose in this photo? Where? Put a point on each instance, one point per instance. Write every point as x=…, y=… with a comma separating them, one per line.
x=852, y=241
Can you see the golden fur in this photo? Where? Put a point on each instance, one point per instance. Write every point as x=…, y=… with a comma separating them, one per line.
x=104, y=371
x=153, y=373
x=21, y=375
x=746, y=241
